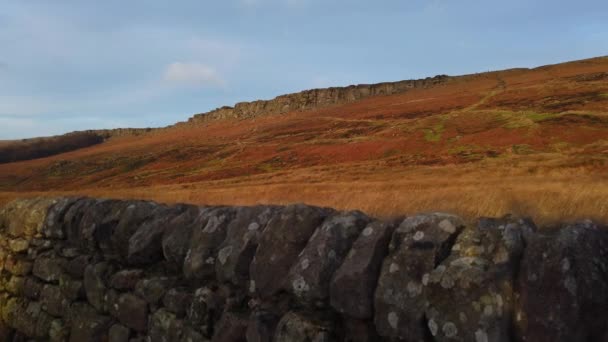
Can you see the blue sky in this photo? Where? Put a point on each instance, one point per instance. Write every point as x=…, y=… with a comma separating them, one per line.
x=70, y=64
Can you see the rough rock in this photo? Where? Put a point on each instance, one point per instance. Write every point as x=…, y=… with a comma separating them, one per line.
x=201, y=257
x=131, y=311
x=417, y=246
x=176, y=239
x=153, y=289
x=285, y=237
x=237, y=251
x=297, y=327
x=232, y=327
x=353, y=285
x=145, y=245
x=25, y=218
x=177, y=301
x=471, y=293
x=164, y=327
x=314, y=99
x=564, y=285
x=95, y=284
x=261, y=326
x=310, y=276
x=54, y=301
x=126, y=279
x=53, y=225
x=87, y=324
x=48, y=268
x=118, y=333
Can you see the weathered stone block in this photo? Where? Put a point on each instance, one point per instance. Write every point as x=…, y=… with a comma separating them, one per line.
x=563, y=284
x=236, y=252
x=353, y=285
x=131, y=311
x=201, y=257
x=309, y=278
x=470, y=293
x=417, y=246
x=285, y=237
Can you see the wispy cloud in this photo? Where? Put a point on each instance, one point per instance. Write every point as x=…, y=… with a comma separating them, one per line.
x=195, y=74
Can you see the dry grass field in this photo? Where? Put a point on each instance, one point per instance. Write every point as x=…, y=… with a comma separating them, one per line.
x=523, y=141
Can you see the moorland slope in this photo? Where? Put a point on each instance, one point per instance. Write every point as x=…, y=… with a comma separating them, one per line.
x=528, y=141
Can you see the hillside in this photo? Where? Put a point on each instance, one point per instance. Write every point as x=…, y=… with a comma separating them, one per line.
x=520, y=140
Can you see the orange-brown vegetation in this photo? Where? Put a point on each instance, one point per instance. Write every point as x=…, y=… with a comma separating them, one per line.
x=523, y=141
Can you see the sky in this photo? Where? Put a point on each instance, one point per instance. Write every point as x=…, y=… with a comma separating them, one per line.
x=70, y=65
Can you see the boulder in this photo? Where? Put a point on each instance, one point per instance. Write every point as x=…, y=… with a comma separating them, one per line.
x=201, y=257
x=177, y=301
x=126, y=279
x=176, y=239
x=261, y=326
x=417, y=246
x=165, y=327
x=53, y=225
x=131, y=311
x=563, y=285
x=49, y=268
x=118, y=333
x=470, y=294
x=132, y=217
x=298, y=327
x=54, y=301
x=232, y=327
x=243, y=233
x=353, y=285
x=309, y=277
x=145, y=245
x=95, y=277
x=285, y=236
x=153, y=289
x=87, y=325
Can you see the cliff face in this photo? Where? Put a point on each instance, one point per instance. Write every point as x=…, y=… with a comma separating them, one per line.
x=82, y=269
x=314, y=99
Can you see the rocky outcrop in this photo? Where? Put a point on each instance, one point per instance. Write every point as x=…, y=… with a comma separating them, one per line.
x=81, y=269
x=315, y=99
x=27, y=149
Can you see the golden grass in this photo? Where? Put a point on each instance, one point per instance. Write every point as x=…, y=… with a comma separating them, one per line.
x=541, y=188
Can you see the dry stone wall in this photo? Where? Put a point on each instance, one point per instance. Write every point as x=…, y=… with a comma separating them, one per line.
x=83, y=269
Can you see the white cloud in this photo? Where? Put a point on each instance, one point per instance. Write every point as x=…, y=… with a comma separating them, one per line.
x=193, y=74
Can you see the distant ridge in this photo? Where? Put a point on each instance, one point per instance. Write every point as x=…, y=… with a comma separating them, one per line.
x=315, y=99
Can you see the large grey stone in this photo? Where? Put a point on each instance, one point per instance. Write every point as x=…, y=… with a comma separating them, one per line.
x=201, y=257
x=417, y=246
x=237, y=250
x=309, y=278
x=470, y=293
x=353, y=285
x=283, y=239
x=563, y=284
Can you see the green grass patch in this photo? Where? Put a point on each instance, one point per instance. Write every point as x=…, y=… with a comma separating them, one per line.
x=434, y=133
x=522, y=149
x=604, y=95
x=522, y=119
x=536, y=117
